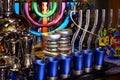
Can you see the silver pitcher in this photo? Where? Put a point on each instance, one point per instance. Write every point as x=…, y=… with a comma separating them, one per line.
x=3, y=69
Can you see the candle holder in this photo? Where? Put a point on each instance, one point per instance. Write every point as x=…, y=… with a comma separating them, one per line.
x=64, y=42
x=52, y=68
x=88, y=58
x=39, y=67
x=78, y=61
x=65, y=66
x=52, y=44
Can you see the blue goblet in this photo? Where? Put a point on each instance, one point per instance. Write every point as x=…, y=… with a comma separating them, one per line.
x=88, y=58
x=52, y=68
x=77, y=63
x=65, y=64
x=39, y=69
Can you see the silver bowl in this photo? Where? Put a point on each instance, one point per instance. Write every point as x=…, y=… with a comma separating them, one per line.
x=64, y=48
x=65, y=32
x=52, y=37
x=52, y=54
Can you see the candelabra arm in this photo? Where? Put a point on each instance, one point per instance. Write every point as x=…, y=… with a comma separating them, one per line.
x=40, y=14
x=59, y=16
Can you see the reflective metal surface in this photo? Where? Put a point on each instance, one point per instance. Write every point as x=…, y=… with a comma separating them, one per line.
x=52, y=44
x=64, y=42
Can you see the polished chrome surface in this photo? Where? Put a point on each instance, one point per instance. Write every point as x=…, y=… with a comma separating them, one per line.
x=64, y=38
x=65, y=53
x=52, y=54
x=65, y=32
x=52, y=37
x=64, y=45
x=52, y=44
x=17, y=46
x=64, y=48
x=8, y=6
x=64, y=42
x=52, y=49
x=27, y=61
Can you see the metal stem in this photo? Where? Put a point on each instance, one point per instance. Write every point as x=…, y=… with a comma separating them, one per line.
x=93, y=29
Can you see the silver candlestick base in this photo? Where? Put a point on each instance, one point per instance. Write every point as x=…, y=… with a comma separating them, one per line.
x=78, y=72
x=52, y=78
x=87, y=70
x=97, y=67
x=63, y=76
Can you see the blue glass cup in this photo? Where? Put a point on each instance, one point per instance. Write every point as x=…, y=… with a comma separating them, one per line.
x=52, y=68
x=65, y=65
x=77, y=63
x=99, y=59
x=39, y=69
x=88, y=58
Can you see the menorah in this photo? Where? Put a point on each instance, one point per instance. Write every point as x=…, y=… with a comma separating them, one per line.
x=59, y=51
x=48, y=14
